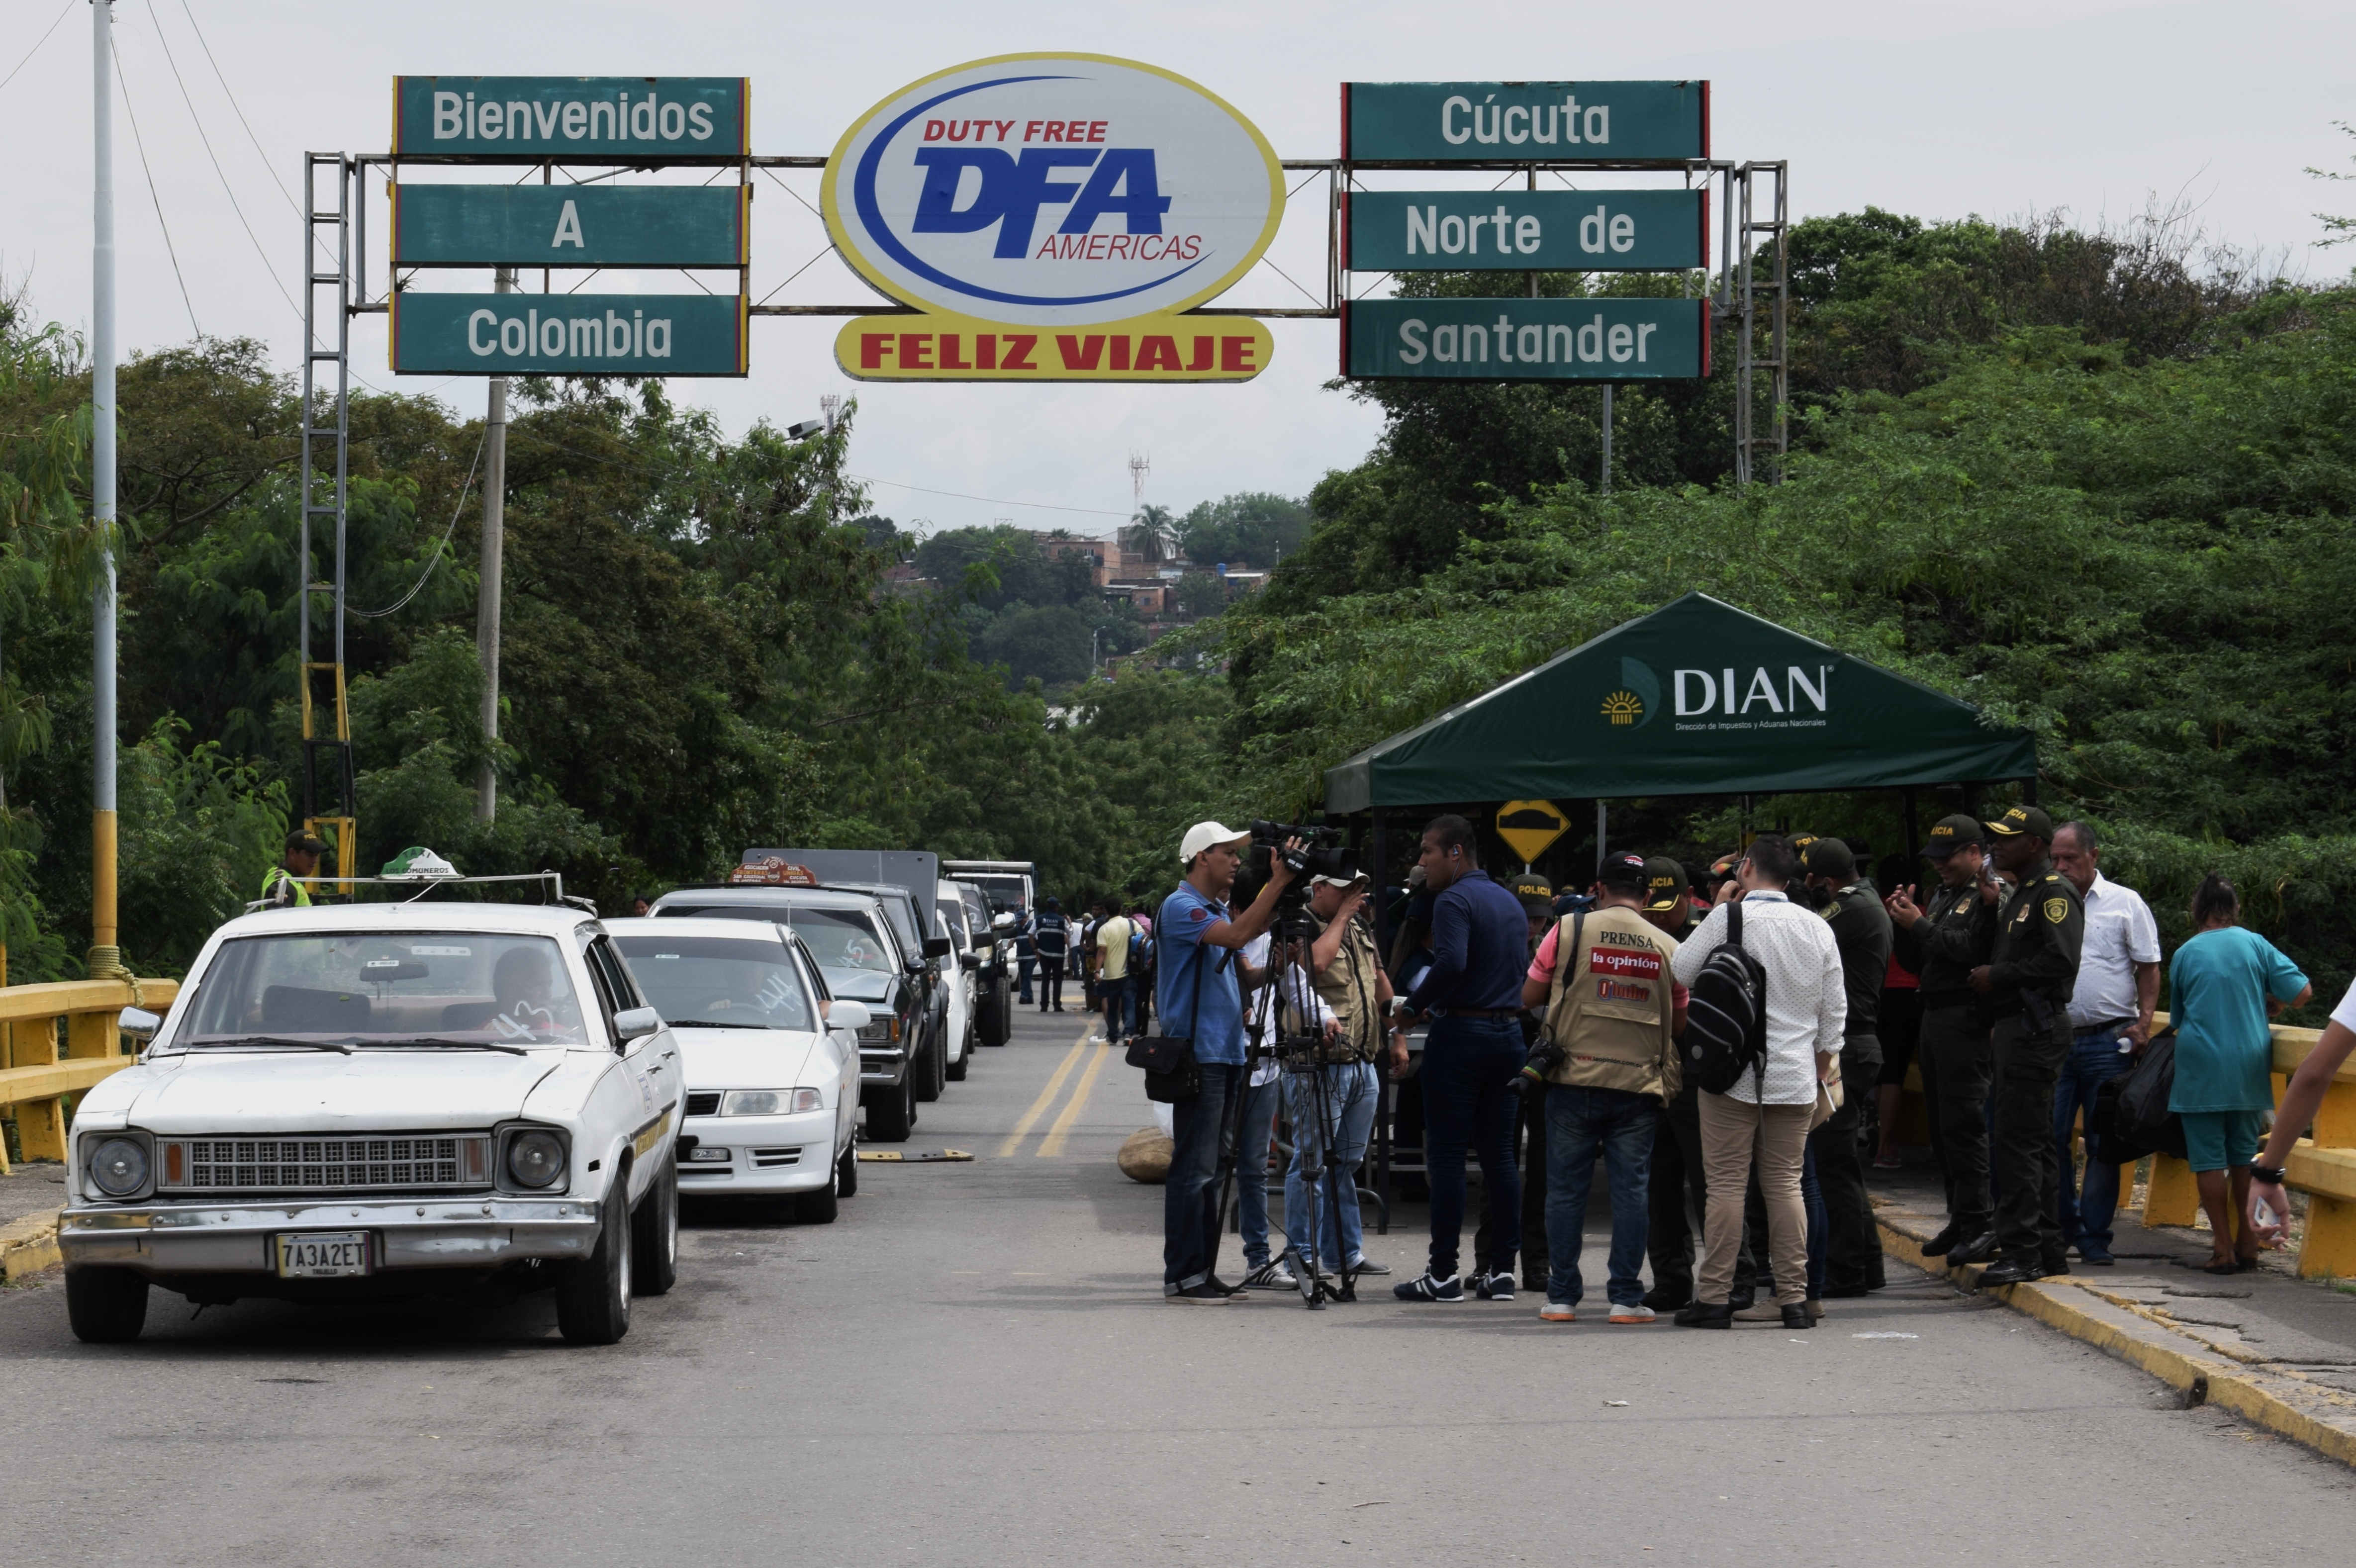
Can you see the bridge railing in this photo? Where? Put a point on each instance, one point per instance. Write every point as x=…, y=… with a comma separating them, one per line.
x=58, y=1040
x=2322, y=1166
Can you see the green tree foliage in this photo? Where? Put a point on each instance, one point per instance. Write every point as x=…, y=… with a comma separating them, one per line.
x=1251, y=528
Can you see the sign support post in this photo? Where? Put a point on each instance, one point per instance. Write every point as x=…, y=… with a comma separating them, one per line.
x=105, y=957
x=487, y=593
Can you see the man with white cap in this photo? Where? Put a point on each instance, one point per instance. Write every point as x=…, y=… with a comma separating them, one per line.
x=1200, y=998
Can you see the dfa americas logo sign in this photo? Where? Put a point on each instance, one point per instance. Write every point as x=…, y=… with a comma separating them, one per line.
x=1759, y=697
x=1051, y=214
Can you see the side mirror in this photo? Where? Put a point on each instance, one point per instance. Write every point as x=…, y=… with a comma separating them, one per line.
x=969, y=960
x=139, y=1024
x=852, y=1015
x=936, y=947
x=632, y=1022
x=1004, y=920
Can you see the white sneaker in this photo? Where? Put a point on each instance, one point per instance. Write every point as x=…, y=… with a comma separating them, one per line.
x=1557, y=1312
x=1634, y=1312
x=1271, y=1276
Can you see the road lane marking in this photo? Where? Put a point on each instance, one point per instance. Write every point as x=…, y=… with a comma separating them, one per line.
x=1053, y=1143
x=1046, y=1097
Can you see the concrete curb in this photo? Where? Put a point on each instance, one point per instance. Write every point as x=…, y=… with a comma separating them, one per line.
x=2212, y=1368
x=29, y=1245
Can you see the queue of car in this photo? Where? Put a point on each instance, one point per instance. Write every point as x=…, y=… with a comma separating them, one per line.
x=374, y=1100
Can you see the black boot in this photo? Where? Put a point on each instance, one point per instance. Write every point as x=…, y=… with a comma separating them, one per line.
x=1703, y=1314
x=1936, y=1247
x=1796, y=1316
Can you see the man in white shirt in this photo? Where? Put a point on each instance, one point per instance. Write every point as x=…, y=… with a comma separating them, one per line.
x=1263, y=1094
x=1807, y=1005
x=2110, y=1019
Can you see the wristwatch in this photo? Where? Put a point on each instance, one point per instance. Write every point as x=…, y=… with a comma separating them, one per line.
x=2272, y=1175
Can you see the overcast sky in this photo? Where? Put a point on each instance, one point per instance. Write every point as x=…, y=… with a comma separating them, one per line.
x=2000, y=109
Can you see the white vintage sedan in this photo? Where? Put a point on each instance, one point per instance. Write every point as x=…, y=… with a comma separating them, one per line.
x=771, y=1063
x=381, y=1100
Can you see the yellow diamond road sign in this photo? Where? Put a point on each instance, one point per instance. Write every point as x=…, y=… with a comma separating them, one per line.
x=1527, y=827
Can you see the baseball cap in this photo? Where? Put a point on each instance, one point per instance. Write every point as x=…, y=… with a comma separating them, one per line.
x=1323, y=881
x=1950, y=834
x=2021, y=819
x=1829, y=858
x=306, y=840
x=1800, y=841
x=1203, y=835
x=1625, y=870
x=1664, y=883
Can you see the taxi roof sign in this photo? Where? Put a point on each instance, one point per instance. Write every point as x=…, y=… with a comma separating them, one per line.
x=770, y=871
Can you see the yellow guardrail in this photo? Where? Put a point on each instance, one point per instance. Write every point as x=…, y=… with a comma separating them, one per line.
x=59, y=1040
x=2323, y=1167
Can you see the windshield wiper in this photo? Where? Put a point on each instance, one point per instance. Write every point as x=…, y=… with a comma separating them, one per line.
x=433, y=1043
x=707, y=1023
x=273, y=1039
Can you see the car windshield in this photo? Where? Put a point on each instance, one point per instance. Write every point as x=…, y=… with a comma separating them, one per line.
x=366, y=987
x=719, y=981
x=1003, y=892
x=851, y=952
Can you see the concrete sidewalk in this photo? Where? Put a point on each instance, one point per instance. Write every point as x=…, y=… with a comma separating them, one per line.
x=2274, y=1349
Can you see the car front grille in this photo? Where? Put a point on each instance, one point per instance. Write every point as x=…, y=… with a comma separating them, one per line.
x=360, y=1163
x=703, y=1102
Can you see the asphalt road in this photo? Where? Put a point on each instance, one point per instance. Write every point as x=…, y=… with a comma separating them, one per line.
x=974, y=1366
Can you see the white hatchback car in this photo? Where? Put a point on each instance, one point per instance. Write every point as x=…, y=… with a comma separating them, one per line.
x=384, y=1100
x=771, y=1063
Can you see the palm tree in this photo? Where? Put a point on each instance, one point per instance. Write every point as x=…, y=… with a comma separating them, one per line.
x=1153, y=534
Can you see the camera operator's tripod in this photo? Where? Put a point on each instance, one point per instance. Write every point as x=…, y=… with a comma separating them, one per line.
x=1299, y=1054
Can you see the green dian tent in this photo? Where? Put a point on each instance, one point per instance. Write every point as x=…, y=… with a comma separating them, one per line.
x=1697, y=698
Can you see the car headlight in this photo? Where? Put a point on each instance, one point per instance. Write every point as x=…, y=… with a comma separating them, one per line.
x=117, y=1166
x=770, y=1102
x=880, y=1031
x=535, y=1159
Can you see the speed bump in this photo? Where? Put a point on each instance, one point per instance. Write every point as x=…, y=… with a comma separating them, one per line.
x=928, y=1156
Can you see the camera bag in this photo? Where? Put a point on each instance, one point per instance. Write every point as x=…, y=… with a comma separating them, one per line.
x=1172, y=1076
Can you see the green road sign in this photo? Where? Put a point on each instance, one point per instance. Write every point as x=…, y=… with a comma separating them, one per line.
x=1526, y=340
x=569, y=226
x=1512, y=121
x=572, y=119
x=568, y=335
x=1518, y=230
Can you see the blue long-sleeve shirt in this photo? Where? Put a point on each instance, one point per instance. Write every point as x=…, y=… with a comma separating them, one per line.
x=1480, y=946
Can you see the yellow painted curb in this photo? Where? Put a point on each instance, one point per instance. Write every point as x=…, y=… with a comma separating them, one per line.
x=2124, y=1331
x=29, y=1245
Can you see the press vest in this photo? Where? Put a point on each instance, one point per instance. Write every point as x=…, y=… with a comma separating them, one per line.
x=1612, y=1004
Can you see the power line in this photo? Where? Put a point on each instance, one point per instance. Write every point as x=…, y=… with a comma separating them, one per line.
x=441, y=544
x=141, y=143
x=250, y=136
x=21, y=64
x=225, y=188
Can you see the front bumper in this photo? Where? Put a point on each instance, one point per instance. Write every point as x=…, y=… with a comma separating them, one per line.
x=883, y=1063
x=164, y=1239
x=765, y=1154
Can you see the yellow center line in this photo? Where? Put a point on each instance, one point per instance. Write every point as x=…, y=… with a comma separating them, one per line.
x=1053, y=1143
x=1046, y=1098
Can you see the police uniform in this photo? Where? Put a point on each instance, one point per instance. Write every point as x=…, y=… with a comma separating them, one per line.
x=1861, y=928
x=1677, y=1188
x=1944, y=947
x=1539, y=902
x=281, y=887
x=2032, y=967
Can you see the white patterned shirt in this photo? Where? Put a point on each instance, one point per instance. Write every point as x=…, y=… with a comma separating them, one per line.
x=2120, y=935
x=1807, y=1000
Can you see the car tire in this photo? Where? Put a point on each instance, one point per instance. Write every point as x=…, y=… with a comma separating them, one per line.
x=105, y=1306
x=955, y=1071
x=820, y=1208
x=654, y=1237
x=846, y=1170
x=592, y=1294
x=892, y=1110
x=930, y=1072
x=997, y=1017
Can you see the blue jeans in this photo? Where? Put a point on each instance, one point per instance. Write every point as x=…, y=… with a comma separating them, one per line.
x=1189, y=1197
x=2094, y=1060
x=1116, y=993
x=1024, y=967
x=1467, y=1064
x=1333, y=1226
x=1251, y=1167
x=1579, y=1122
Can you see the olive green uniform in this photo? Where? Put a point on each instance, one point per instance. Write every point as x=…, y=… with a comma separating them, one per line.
x=2032, y=967
x=1944, y=947
x=1862, y=931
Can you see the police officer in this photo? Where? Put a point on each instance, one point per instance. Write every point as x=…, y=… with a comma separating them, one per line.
x=1860, y=929
x=1677, y=1189
x=1539, y=902
x=1944, y=943
x=2025, y=985
x=283, y=887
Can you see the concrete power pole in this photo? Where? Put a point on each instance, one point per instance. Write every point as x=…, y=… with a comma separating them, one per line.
x=105, y=956
x=486, y=602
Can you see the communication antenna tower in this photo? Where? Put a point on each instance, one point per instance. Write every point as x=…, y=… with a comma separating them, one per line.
x=1141, y=463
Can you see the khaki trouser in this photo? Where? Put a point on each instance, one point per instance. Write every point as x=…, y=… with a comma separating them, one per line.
x=1730, y=1128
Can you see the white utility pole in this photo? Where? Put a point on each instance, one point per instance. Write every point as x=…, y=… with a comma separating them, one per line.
x=486, y=598
x=104, y=953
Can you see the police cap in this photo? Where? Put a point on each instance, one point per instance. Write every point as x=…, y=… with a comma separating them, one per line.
x=2023, y=819
x=1952, y=833
x=1829, y=858
x=1664, y=883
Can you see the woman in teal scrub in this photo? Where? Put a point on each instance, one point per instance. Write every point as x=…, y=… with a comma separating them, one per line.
x=2224, y=984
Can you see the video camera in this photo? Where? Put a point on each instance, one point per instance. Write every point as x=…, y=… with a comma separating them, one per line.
x=1324, y=855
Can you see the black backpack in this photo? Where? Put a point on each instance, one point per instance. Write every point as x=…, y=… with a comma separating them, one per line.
x=1726, y=1015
